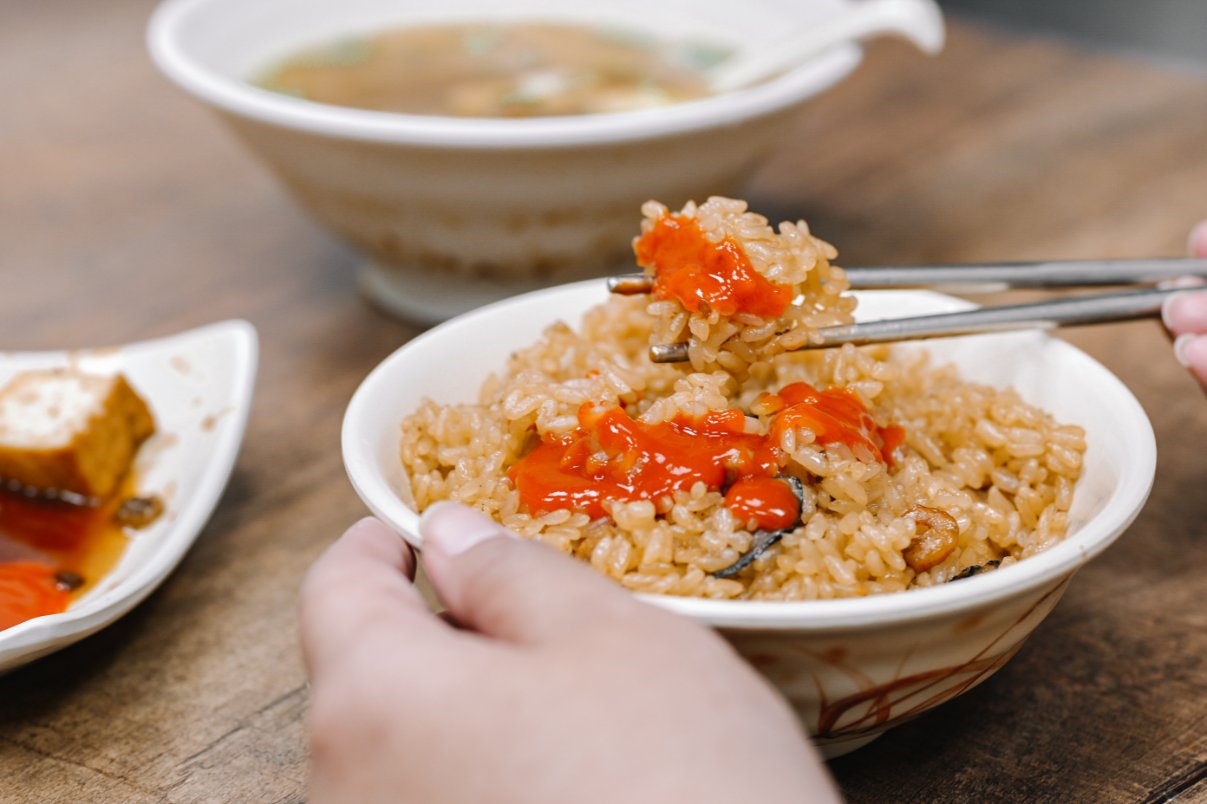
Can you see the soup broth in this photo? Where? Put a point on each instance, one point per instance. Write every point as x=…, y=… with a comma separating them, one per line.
x=514, y=70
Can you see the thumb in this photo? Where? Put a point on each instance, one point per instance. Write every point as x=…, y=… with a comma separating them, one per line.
x=505, y=587
x=1185, y=316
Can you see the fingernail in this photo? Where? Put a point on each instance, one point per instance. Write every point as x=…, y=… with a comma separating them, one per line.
x=1191, y=349
x=1167, y=312
x=453, y=528
x=1185, y=312
x=1198, y=240
x=1179, y=348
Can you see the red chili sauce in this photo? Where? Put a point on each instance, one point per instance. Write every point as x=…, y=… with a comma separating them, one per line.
x=693, y=270
x=835, y=416
x=766, y=500
x=613, y=457
x=51, y=552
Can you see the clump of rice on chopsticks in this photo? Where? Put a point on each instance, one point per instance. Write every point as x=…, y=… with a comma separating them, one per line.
x=734, y=289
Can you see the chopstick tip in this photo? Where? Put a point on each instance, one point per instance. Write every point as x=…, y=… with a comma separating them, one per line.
x=668, y=353
x=630, y=284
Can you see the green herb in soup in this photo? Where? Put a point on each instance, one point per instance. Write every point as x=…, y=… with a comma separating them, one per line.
x=518, y=70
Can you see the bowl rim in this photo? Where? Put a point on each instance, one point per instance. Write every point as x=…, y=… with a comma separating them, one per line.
x=172, y=56
x=870, y=612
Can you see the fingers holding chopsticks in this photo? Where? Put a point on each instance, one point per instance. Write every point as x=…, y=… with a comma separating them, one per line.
x=1185, y=316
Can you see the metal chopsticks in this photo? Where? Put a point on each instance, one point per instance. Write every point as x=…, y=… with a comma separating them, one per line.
x=974, y=278
x=1096, y=309
x=1077, y=310
x=985, y=278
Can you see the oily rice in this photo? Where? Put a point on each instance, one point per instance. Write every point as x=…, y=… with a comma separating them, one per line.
x=792, y=257
x=1002, y=469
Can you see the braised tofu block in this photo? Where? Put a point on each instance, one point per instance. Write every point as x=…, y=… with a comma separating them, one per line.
x=66, y=431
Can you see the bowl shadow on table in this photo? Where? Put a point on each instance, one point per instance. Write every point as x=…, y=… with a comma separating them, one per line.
x=35, y=692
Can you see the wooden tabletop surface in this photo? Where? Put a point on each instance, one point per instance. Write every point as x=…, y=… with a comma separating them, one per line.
x=127, y=212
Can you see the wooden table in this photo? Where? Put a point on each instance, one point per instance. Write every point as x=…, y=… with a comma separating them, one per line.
x=126, y=212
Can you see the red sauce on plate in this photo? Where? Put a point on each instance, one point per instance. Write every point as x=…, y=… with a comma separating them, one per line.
x=693, y=270
x=29, y=589
x=613, y=457
x=51, y=552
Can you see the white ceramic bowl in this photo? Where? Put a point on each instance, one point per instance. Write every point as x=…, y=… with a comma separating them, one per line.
x=454, y=212
x=852, y=667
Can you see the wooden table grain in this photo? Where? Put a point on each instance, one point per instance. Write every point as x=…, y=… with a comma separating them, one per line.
x=127, y=212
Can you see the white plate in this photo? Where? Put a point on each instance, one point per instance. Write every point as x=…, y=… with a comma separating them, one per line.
x=199, y=387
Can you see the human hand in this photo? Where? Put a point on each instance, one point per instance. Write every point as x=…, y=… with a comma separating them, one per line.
x=557, y=686
x=1185, y=316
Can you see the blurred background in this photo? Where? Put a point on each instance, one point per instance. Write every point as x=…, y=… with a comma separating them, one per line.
x=126, y=211
x=1170, y=31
